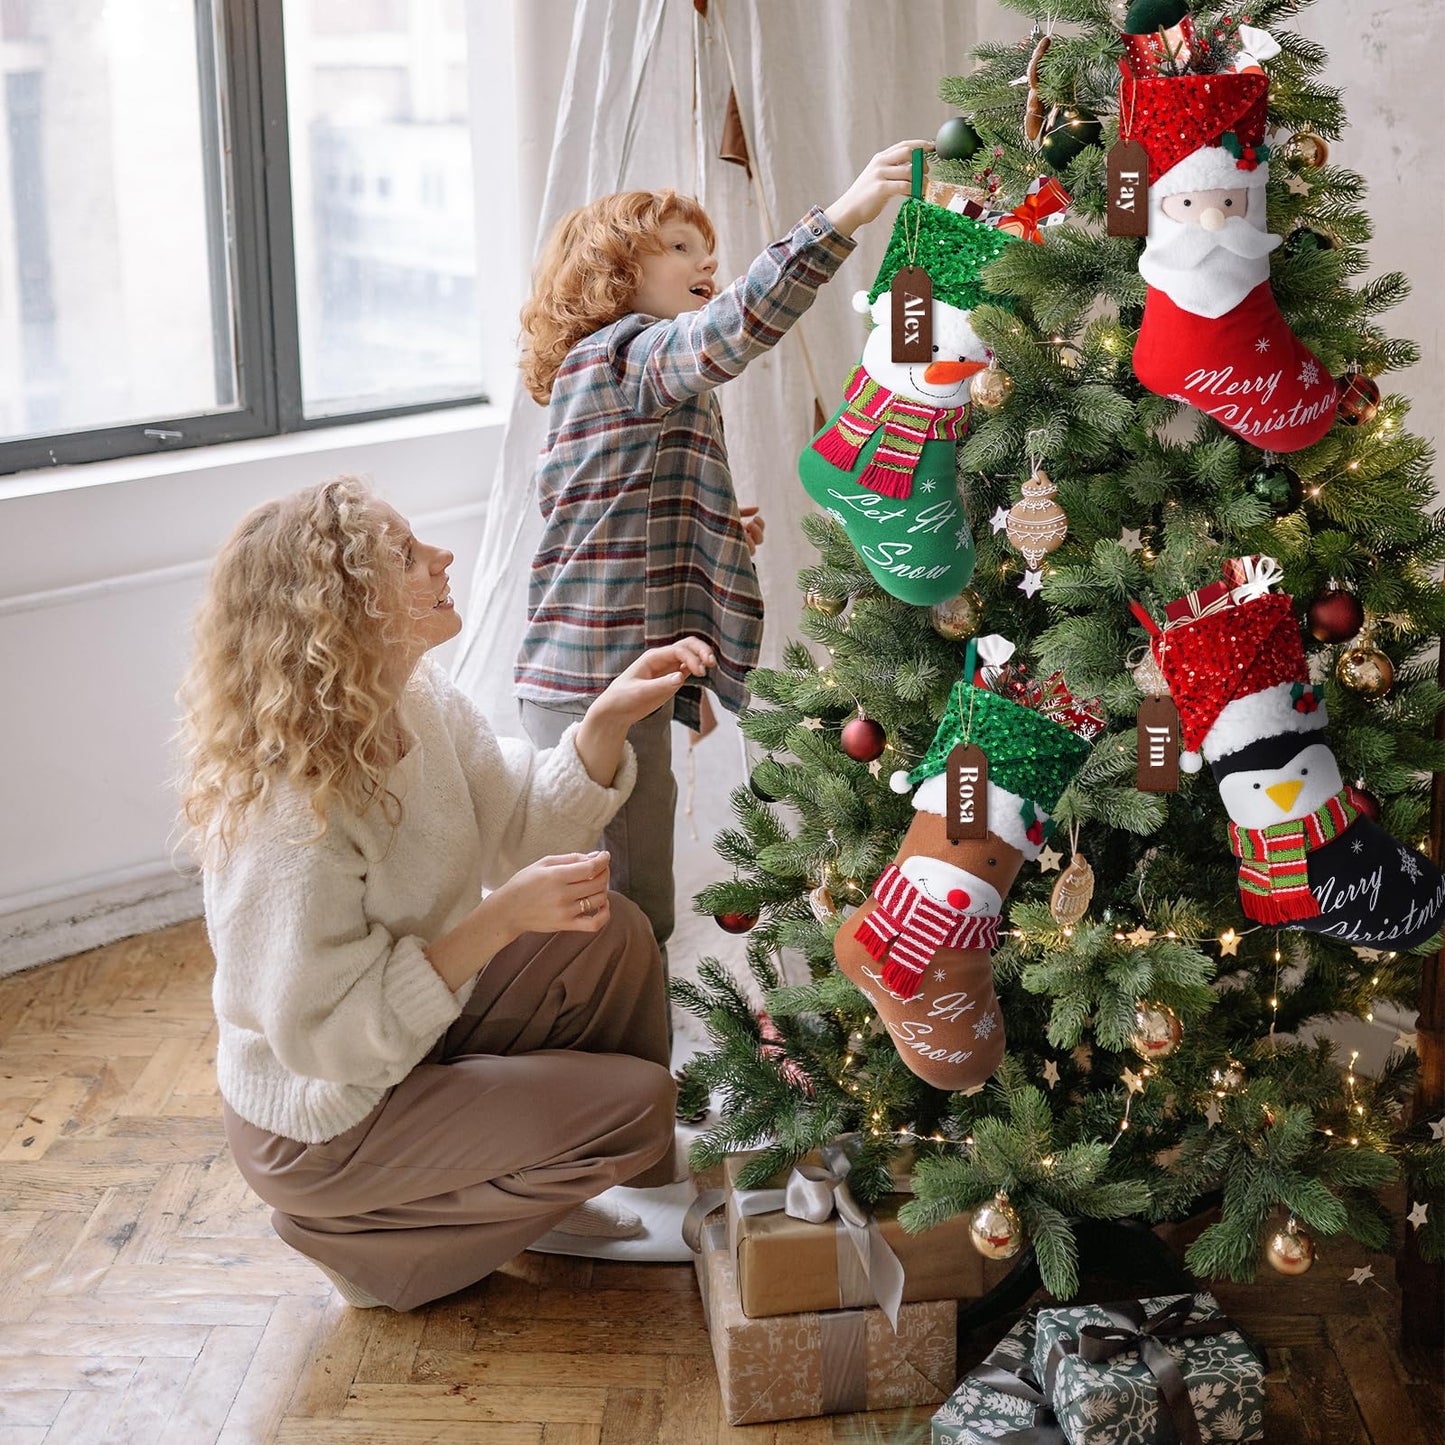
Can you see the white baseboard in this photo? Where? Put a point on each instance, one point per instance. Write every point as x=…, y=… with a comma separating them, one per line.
x=92, y=912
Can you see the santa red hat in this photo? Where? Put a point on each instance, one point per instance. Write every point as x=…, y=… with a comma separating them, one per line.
x=1219, y=118
x=1235, y=664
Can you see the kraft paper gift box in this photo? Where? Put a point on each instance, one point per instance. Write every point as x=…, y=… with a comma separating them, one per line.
x=820, y=1363
x=999, y=1398
x=788, y=1266
x=1217, y=1377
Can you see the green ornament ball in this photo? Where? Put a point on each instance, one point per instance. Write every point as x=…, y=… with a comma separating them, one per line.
x=956, y=140
x=1071, y=131
x=1144, y=17
x=1304, y=239
x=1277, y=485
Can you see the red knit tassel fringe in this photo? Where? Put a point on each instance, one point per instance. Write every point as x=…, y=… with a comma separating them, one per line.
x=833, y=448
x=872, y=940
x=905, y=982
x=1266, y=908
x=886, y=481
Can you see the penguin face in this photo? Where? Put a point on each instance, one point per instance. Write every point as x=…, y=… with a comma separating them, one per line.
x=942, y=382
x=1267, y=796
x=952, y=888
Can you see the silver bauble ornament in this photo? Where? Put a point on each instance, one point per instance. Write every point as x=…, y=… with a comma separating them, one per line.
x=995, y=1229
x=1291, y=1250
x=1157, y=1031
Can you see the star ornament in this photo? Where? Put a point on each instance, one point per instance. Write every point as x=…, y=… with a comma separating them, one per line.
x=1212, y=1114
x=1407, y=1042
x=1130, y=540
x=1051, y=1073
x=1141, y=935
x=1297, y=185
x=1417, y=1214
x=1437, y=1129
x=1229, y=943
x=1363, y=1275
x=999, y=520
x=1132, y=1081
x=813, y=724
x=1049, y=860
x=1032, y=582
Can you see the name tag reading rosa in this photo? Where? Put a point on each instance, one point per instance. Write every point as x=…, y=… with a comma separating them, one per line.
x=966, y=794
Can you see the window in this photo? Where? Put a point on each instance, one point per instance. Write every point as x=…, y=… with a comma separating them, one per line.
x=170, y=276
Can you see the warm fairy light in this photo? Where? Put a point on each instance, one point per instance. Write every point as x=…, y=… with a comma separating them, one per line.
x=1047, y=1161
x=1068, y=932
x=1123, y=1123
x=1229, y=937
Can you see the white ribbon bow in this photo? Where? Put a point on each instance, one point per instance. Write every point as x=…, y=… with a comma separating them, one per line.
x=1260, y=574
x=1257, y=46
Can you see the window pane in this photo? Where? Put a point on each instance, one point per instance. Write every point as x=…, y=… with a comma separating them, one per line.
x=114, y=283
x=381, y=183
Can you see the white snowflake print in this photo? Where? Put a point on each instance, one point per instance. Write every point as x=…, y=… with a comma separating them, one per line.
x=1309, y=373
x=927, y=484
x=1357, y=846
x=837, y=516
x=963, y=537
x=1262, y=345
x=1410, y=863
x=939, y=974
x=986, y=1025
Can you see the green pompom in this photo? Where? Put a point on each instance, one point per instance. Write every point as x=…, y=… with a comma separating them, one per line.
x=956, y=140
x=1147, y=16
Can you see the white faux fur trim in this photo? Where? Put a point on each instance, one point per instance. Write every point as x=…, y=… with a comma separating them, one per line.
x=1005, y=818
x=1210, y=168
x=1264, y=714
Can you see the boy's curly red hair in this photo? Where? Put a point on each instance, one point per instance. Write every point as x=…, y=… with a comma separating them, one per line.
x=590, y=271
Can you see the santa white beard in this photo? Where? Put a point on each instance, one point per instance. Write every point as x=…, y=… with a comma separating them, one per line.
x=1206, y=273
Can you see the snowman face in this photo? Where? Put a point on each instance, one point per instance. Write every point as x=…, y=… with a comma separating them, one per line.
x=951, y=887
x=957, y=355
x=1276, y=795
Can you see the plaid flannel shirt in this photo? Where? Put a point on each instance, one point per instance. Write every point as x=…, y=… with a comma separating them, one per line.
x=642, y=543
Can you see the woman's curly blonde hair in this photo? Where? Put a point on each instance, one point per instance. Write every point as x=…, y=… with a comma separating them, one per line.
x=293, y=675
x=590, y=271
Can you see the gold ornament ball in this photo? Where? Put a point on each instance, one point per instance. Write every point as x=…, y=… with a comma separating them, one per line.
x=958, y=617
x=1290, y=1250
x=995, y=1229
x=991, y=388
x=1366, y=670
x=822, y=602
x=1037, y=524
x=1157, y=1031
x=1311, y=149
x=1228, y=1077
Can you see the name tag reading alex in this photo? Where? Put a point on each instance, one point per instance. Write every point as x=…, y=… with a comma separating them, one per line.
x=912, y=290
x=966, y=794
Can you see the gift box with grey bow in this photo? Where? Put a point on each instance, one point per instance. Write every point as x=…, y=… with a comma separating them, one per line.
x=1000, y=1400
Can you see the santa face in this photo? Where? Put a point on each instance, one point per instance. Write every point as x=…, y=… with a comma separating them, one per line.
x=952, y=888
x=1266, y=796
x=1208, y=249
x=942, y=382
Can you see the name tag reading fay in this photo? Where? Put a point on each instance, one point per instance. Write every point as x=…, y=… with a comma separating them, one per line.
x=966, y=794
x=1128, y=190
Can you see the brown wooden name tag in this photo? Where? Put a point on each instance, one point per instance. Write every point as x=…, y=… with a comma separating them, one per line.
x=1128, y=190
x=912, y=290
x=1158, y=727
x=967, y=794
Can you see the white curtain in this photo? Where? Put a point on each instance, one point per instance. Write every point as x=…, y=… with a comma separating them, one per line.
x=820, y=87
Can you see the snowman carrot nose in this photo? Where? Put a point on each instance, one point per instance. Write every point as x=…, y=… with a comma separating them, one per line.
x=950, y=373
x=957, y=898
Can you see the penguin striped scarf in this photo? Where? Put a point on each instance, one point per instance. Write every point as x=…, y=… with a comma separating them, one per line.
x=910, y=928
x=906, y=426
x=1274, y=862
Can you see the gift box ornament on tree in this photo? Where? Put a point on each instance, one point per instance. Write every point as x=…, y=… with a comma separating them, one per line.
x=920, y=946
x=1212, y=334
x=1308, y=859
x=884, y=463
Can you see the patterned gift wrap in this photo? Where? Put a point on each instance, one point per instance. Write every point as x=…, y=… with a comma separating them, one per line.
x=1122, y=1398
x=791, y=1367
x=1000, y=1402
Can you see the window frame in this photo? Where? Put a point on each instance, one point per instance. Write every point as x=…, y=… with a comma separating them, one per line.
x=241, y=59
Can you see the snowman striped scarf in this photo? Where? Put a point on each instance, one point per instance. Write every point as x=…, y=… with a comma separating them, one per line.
x=910, y=928
x=1274, y=862
x=906, y=426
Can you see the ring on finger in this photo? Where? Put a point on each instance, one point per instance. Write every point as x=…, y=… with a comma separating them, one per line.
x=586, y=907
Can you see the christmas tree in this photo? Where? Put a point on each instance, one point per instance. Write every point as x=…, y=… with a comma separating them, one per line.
x=1178, y=422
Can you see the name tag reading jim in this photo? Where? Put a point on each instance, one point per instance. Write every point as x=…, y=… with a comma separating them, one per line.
x=912, y=290
x=966, y=794
x=1158, y=729
x=1128, y=190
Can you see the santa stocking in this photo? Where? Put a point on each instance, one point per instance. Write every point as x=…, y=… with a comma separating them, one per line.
x=1308, y=858
x=883, y=466
x=1212, y=334
x=920, y=947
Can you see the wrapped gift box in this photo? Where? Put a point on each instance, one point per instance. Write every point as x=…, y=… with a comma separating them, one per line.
x=788, y=1266
x=794, y=1366
x=1119, y=1398
x=985, y=1408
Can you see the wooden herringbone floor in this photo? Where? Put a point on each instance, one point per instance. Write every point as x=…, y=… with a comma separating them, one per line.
x=143, y=1296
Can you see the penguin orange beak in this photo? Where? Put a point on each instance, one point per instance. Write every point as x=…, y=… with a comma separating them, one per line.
x=1284, y=794
x=950, y=373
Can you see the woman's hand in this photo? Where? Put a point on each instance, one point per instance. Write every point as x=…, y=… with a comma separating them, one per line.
x=630, y=697
x=888, y=174
x=564, y=893
x=753, y=525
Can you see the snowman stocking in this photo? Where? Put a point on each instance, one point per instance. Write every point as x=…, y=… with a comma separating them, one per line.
x=883, y=466
x=919, y=948
x=1308, y=859
x=1212, y=334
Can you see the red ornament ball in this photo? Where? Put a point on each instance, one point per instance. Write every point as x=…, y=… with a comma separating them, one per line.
x=863, y=739
x=735, y=922
x=1357, y=399
x=1364, y=801
x=1335, y=616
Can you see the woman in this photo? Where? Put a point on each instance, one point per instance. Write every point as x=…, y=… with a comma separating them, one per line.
x=421, y=1080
